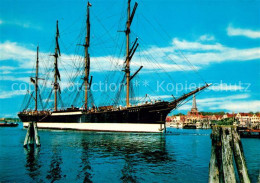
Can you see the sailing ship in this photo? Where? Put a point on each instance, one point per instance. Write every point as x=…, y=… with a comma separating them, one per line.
x=146, y=117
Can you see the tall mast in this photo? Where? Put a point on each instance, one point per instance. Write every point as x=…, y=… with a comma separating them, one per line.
x=129, y=52
x=36, y=79
x=56, y=72
x=127, y=69
x=87, y=59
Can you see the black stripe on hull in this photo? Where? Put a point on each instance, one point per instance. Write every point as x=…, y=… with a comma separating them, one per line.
x=150, y=114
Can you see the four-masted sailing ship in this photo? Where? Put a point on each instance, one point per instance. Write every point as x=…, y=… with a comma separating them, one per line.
x=147, y=117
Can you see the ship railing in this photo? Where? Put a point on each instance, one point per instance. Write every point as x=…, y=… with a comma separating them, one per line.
x=35, y=112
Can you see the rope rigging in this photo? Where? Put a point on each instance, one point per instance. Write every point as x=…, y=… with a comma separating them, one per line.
x=72, y=68
x=182, y=54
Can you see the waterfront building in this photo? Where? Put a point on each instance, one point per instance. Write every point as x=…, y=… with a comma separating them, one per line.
x=227, y=115
x=176, y=121
x=255, y=118
x=244, y=118
x=194, y=117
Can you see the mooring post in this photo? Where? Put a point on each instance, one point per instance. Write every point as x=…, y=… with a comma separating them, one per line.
x=227, y=155
x=215, y=168
x=27, y=136
x=240, y=158
x=32, y=135
x=226, y=144
x=36, y=136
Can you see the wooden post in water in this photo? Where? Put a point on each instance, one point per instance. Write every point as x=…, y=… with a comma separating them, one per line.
x=32, y=135
x=240, y=159
x=27, y=136
x=216, y=169
x=227, y=155
x=226, y=144
x=36, y=136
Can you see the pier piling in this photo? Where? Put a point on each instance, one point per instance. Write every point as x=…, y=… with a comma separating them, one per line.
x=32, y=135
x=239, y=158
x=226, y=146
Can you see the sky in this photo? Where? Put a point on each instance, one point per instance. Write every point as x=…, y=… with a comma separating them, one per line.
x=182, y=45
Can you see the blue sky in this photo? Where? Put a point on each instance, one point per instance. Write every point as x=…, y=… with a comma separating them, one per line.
x=221, y=39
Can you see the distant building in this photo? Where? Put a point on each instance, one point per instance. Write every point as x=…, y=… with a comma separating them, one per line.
x=244, y=118
x=227, y=115
x=194, y=109
x=204, y=121
x=194, y=115
x=255, y=119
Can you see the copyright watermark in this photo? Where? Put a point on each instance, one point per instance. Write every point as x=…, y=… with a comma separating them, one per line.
x=157, y=86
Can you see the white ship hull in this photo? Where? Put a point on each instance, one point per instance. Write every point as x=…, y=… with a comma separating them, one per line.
x=107, y=127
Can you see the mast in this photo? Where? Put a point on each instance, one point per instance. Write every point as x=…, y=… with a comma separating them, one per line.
x=36, y=79
x=127, y=68
x=129, y=52
x=56, y=70
x=87, y=59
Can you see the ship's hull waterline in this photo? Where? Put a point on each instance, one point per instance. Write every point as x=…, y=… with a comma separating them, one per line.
x=103, y=127
x=148, y=118
x=141, y=118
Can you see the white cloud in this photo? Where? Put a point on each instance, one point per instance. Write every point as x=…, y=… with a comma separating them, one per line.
x=6, y=72
x=11, y=94
x=20, y=23
x=206, y=37
x=241, y=106
x=162, y=67
x=231, y=31
x=228, y=103
x=160, y=59
x=13, y=51
x=14, y=78
x=200, y=53
x=231, y=103
x=228, y=54
x=236, y=103
x=209, y=101
x=187, y=45
x=25, y=59
x=226, y=87
x=6, y=68
x=185, y=107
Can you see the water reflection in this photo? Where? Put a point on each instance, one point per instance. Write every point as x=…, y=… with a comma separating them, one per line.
x=128, y=171
x=33, y=164
x=88, y=153
x=157, y=153
x=114, y=157
x=151, y=148
x=55, y=172
x=85, y=167
x=132, y=149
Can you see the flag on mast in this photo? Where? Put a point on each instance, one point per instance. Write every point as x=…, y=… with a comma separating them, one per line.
x=89, y=4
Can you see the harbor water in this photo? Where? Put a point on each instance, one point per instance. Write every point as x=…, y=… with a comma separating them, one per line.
x=71, y=156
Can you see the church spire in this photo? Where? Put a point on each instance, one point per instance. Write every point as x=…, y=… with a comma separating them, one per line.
x=194, y=105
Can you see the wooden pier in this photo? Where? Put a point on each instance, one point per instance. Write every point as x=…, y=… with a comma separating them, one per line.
x=226, y=146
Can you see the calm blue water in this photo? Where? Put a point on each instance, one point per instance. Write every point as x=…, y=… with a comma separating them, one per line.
x=68, y=156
